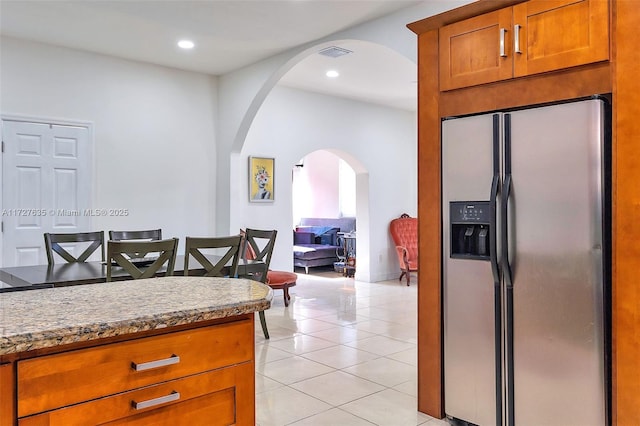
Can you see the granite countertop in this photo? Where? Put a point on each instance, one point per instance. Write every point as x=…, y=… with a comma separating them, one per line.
x=44, y=318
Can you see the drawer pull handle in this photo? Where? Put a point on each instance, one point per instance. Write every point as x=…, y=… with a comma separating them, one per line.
x=516, y=40
x=173, y=396
x=502, y=46
x=173, y=359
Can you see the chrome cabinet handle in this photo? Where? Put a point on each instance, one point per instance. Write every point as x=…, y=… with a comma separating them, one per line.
x=516, y=38
x=173, y=396
x=173, y=359
x=503, y=53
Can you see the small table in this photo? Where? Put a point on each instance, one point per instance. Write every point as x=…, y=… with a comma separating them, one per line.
x=349, y=246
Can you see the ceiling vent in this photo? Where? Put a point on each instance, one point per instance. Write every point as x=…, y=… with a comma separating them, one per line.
x=334, y=52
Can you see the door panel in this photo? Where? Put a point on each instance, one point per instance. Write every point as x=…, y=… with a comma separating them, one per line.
x=559, y=34
x=556, y=258
x=468, y=290
x=470, y=51
x=29, y=188
x=7, y=395
x=46, y=185
x=63, y=198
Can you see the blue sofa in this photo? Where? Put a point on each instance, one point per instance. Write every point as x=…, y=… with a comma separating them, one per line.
x=316, y=242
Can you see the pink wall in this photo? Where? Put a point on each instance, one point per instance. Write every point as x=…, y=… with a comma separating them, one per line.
x=316, y=187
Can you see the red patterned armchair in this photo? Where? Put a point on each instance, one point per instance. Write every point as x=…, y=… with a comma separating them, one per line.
x=404, y=232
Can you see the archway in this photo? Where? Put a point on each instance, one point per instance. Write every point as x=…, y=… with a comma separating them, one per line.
x=332, y=184
x=289, y=123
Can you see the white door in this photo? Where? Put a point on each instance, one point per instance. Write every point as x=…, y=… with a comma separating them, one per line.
x=46, y=187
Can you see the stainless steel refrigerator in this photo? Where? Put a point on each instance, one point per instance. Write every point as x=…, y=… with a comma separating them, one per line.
x=525, y=198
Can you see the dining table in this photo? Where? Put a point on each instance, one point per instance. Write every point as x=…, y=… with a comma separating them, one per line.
x=31, y=277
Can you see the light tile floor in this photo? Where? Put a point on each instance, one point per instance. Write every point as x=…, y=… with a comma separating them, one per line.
x=343, y=353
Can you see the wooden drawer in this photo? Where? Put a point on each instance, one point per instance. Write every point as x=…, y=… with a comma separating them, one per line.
x=54, y=381
x=220, y=397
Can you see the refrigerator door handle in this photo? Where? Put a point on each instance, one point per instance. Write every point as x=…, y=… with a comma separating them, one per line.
x=495, y=187
x=497, y=304
x=506, y=192
x=506, y=195
x=507, y=273
x=495, y=268
x=493, y=243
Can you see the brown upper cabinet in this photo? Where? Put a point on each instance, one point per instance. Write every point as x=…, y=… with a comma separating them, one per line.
x=529, y=38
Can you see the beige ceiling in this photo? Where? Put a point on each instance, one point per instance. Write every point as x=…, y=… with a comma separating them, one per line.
x=228, y=35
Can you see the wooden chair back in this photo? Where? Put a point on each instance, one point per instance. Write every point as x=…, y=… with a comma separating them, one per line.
x=52, y=245
x=195, y=245
x=150, y=234
x=144, y=235
x=118, y=253
x=258, y=245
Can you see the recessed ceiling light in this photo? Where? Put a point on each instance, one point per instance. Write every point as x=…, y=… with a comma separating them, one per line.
x=332, y=73
x=186, y=44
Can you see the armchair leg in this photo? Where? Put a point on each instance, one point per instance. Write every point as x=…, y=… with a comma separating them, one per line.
x=408, y=275
x=263, y=323
x=287, y=298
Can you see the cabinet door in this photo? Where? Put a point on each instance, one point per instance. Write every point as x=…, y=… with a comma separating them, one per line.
x=557, y=34
x=7, y=395
x=476, y=50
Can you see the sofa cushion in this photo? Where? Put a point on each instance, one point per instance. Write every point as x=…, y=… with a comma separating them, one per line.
x=330, y=237
x=314, y=251
x=345, y=224
x=303, y=237
x=326, y=235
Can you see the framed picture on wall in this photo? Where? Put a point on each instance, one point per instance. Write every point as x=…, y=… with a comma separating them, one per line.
x=261, y=179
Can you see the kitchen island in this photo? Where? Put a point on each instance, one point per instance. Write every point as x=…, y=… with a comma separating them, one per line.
x=164, y=350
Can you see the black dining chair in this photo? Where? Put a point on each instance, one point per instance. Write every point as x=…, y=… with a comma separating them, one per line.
x=119, y=254
x=144, y=235
x=52, y=244
x=194, y=247
x=257, y=248
x=150, y=234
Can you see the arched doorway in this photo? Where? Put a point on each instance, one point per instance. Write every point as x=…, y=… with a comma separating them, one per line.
x=323, y=185
x=375, y=139
x=324, y=189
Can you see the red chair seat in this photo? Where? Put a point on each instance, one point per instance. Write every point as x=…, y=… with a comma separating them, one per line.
x=282, y=280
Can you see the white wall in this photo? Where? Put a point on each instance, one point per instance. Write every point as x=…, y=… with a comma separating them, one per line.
x=347, y=196
x=242, y=92
x=155, y=143
x=378, y=142
x=154, y=130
